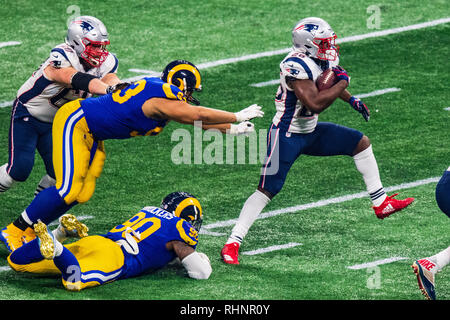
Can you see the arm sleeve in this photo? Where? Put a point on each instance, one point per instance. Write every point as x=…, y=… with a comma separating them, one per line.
x=197, y=265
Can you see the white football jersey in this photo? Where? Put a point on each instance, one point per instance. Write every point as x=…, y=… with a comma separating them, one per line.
x=291, y=115
x=43, y=97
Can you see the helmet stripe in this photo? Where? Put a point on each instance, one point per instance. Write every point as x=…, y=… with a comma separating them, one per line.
x=188, y=202
x=184, y=67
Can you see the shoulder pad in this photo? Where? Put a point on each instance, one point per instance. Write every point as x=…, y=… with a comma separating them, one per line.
x=60, y=58
x=173, y=92
x=294, y=66
x=110, y=65
x=187, y=232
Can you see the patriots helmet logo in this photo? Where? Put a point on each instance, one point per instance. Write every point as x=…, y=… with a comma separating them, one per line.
x=307, y=27
x=85, y=26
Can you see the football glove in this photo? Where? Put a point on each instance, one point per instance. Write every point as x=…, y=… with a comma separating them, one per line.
x=245, y=127
x=116, y=87
x=359, y=106
x=341, y=74
x=254, y=111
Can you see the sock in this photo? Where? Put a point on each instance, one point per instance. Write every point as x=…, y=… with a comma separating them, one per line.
x=45, y=183
x=26, y=254
x=250, y=211
x=5, y=179
x=22, y=223
x=68, y=265
x=441, y=259
x=60, y=234
x=46, y=206
x=367, y=165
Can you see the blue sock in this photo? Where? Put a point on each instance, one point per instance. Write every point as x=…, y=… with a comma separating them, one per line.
x=28, y=253
x=47, y=206
x=68, y=265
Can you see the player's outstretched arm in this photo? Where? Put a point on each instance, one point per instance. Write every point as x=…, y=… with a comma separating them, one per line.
x=78, y=80
x=183, y=112
x=197, y=264
x=317, y=101
x=245, y=127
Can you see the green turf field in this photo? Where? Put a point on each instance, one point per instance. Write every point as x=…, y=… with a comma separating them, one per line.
x=409, y=130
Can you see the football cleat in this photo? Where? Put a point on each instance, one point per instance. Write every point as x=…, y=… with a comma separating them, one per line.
x=391, y=205
x=71, y=227
x=28, y=235
x=11, y=237
x=46, y=240
x=230, y=253
x=425, y=277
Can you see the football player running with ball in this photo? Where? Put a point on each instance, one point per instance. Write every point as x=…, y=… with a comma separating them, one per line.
x=295, y=129
x=148, y=241
x=142, y=108
x=63, y=77
x=426, y=268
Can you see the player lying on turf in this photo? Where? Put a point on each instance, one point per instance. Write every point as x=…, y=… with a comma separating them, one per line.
x=146, y=242
x=80, y=127
x=63, y=77
x=296, y=131
x=426, y=268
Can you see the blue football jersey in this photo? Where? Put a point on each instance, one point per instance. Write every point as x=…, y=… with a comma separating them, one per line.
x=119, y=115
x=155, y=227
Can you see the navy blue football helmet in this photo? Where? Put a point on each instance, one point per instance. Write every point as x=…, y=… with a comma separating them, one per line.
x=184, y=205
x=185, y=76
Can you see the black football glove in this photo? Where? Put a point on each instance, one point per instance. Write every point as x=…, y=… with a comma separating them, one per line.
x=116, y=87
x=359, y=106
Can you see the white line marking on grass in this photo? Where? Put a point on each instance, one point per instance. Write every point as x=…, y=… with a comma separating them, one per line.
x=80, y=218
x=376, y=263
x=212, y=233
x=324, y=202
x=5, y=268
x=6, y=104
x=265, y=83
x=377, y=93
x=447, y=109
x=9, y=43
x=272, y=248
x=342, y=40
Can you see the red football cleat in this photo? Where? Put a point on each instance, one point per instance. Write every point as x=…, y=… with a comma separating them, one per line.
x=391, y=205
x=230, y=253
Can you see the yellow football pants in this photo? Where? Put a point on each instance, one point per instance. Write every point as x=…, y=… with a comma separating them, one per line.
x=73, y=145
x=100, y=259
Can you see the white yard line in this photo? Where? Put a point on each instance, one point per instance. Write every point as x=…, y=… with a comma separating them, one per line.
x=376, y=263
x=80, y=218
x=342, y=40
x=322, y=203
x=9, y=43
x=447, y=109
x=265, y=83
x=5, y=268
x=377, y=93
x=272, y=248
x=6, y=104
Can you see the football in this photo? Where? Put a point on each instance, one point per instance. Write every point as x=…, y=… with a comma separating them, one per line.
x=326, y=80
